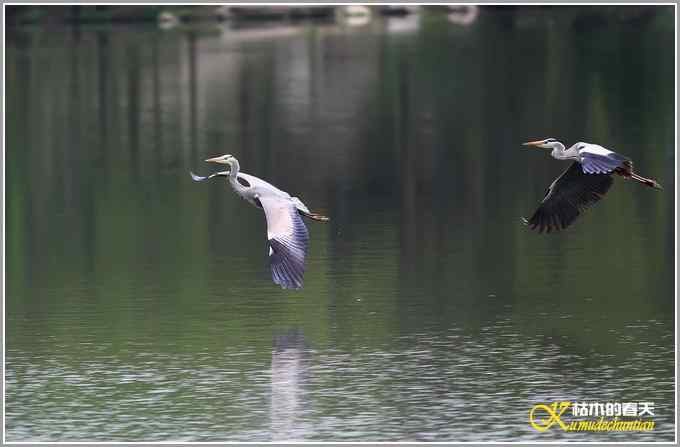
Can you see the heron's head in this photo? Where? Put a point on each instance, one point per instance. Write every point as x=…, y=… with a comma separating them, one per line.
x=227, y=159
x=548, y=143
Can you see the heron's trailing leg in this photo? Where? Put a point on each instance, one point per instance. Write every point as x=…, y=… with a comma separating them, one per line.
x=627, y=172
x=646, y=181
x=315, y=216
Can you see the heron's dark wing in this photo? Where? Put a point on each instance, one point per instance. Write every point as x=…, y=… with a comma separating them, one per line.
x=570, y=194
x=288, y=241
x=593, y=163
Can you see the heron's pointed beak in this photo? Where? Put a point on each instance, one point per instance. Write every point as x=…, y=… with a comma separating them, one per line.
x=533, y=143
x=215, y=160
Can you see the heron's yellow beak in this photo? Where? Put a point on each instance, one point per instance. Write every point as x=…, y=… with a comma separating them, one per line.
x=216, y=160
x=533, y=143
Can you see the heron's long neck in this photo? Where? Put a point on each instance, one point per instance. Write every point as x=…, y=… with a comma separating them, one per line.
x=560, y=153
x=233, y=173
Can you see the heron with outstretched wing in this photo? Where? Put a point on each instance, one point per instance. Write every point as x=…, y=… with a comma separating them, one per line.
x=286, y=232
x=584, y=183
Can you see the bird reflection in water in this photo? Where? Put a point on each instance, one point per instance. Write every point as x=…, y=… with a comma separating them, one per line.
x=290, y=364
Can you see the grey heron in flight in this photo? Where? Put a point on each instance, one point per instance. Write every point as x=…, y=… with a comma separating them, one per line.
x=286, y=232
x=582, y=184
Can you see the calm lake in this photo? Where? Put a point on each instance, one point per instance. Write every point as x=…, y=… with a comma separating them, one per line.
x=140, y=306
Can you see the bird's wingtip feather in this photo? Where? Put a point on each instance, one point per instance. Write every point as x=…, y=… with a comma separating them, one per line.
x=196, y=178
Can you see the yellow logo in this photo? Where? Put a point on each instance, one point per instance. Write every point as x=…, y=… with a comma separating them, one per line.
x=600, y=416
x=554, y=413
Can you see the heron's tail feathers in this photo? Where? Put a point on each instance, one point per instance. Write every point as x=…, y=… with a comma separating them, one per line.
x=315, y=216
x=645, y=181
